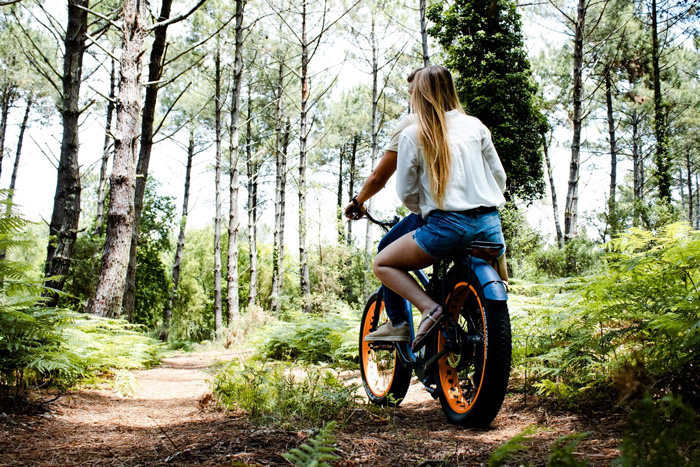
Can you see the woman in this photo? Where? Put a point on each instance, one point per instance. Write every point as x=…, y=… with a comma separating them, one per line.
x=449, y=173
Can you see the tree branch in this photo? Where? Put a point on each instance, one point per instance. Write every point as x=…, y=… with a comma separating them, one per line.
x=176, y=19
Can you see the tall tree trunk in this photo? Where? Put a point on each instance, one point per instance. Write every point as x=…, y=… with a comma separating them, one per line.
x=233, y=219
x=252, y=167
x=102, y=188
x=20, y=143
x=63, y=229
x=304, y=283
x=374, y=133
x=697, y=201
x=120, y=216
x=613, y=149
x=680, y=187
x=351, y=184
x=280, y=177
x=661, y=156
x=339, y=200
x=181, y=235
x=155, y=71
x=555, y=204
x=689, y=183
x=7, y=98
x=636, y=156
x=218, y=315
x=571, y=209
x=424, y=34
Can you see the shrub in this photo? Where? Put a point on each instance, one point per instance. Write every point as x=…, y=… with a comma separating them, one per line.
x=282, y=395
x=644, y=306
x=579, y=256
x=312, y=338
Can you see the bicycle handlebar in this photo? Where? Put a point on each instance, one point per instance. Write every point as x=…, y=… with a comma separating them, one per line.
x=388, y=224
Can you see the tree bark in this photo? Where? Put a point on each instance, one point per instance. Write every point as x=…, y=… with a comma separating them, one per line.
x=155, y=71
x=613, y=147
x=102, y=188
x=555, y=204
x=7, y=98
x=65, y=218
x=252, y=167
x=304, y=283
x=689, y=182
x=661, y=156
x=571, y=209
x=351, y=184
x=20, y=142
x=232, y=268
x=280, y=178
x=120, y=216
x=339, y=200
x=374, y=133
x=424, y=34
x=218, y=315
x=167, y=319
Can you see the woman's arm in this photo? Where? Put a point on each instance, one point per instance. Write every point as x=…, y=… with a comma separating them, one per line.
x=375, y=182
x=492, y=159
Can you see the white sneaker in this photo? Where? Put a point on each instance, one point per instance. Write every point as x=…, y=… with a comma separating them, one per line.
x=387, y=332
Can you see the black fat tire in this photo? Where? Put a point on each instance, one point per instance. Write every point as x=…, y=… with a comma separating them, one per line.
x=483, y=395
x=394, y=384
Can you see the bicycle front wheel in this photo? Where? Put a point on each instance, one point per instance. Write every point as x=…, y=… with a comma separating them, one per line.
x=472, y=376
x=385, y=380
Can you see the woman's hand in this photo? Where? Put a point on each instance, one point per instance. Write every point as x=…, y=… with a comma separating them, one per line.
x=355, y=210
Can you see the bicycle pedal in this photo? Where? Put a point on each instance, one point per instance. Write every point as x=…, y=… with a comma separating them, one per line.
x=427, y=383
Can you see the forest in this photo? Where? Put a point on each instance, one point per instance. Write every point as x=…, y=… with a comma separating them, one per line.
x=179, y=284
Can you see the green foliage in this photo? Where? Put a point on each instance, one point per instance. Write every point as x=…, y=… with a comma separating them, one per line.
x=644, y=306
x=563, y=451
x=579, y=256
x=522, y=241
x=284, y=395
x=483, y=44
x=514, y=445
x=48, y=346
x=661, y=433
x=319, y=450
x=312, y=338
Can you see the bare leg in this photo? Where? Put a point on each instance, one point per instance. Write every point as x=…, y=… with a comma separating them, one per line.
x=391, y=267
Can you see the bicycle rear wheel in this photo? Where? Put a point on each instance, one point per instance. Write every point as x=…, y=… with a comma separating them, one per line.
x=385, y=380
x=472, y=376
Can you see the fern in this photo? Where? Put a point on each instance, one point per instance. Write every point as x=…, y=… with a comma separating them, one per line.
x=516, y=444
x=563, y=451
x=318, y=452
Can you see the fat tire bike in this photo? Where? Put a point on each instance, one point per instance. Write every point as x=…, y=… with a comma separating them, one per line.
x=466, y=362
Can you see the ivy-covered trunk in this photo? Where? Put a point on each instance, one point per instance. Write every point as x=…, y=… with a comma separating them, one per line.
x=304, y=284
x=280, y=195
x=218, y=315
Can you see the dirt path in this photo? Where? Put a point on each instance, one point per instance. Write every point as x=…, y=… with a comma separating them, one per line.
x=164, y=424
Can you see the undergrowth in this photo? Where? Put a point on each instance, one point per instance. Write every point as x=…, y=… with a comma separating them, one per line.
x=281, y=395
x=49, y=347
x=574, y=337
x=330, y=338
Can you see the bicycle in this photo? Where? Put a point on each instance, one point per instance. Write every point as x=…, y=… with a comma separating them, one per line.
x=466, y=362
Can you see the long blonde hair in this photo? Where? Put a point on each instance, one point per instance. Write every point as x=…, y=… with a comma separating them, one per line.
x=434, y=94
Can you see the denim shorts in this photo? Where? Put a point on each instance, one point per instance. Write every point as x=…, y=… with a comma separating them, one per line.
x=446, y=234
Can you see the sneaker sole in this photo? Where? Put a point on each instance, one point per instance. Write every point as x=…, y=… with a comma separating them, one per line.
x=388, y=339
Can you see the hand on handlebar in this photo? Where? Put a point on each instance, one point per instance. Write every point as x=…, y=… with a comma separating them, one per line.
x=355, y=212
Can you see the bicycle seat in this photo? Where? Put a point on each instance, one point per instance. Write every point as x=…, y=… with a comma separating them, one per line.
x=488, y=251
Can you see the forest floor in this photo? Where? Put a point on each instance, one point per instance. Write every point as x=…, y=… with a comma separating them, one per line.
x=170, y=421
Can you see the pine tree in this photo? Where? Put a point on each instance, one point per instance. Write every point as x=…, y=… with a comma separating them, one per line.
x=483, y=46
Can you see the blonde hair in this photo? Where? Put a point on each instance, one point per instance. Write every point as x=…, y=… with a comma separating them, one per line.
x=434, y=94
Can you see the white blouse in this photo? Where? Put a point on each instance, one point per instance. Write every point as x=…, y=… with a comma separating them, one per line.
x=476, y=179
